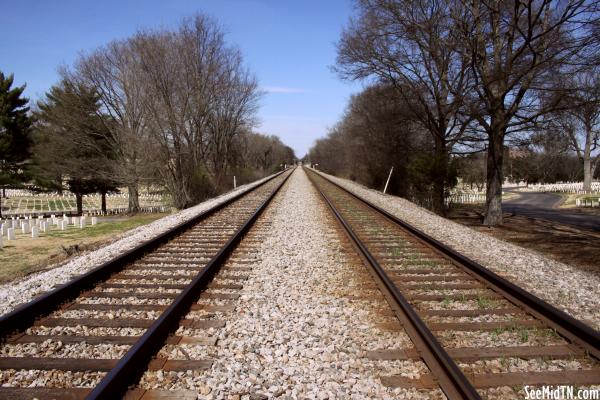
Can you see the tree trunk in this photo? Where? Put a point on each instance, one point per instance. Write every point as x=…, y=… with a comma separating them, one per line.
x=134, y=198
x=79, y=201
x=103, y=203
x=440, y=172
x=493, y=194
x=587, y=162
x=587, y=175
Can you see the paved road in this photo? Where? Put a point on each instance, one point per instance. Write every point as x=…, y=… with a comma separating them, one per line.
x=545, y=206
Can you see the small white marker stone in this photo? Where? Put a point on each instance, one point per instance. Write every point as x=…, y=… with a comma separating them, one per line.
x=35, y=232
x=94, y=221
x=10, y=234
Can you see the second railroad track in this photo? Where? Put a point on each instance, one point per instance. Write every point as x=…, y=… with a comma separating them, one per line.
x=457, y=312
x=106, y=328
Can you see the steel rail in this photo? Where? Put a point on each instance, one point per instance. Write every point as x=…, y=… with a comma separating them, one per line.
x=450, y=378
x=133, y=364
x=571, y=328
x=25, y=315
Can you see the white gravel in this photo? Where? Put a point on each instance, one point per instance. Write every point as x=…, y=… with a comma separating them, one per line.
x=56, y=349
x=52, y=378
x=296, y=332
x=23, y=290
x=562, y=285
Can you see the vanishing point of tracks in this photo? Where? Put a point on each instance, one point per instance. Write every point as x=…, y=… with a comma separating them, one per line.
x=175, y=288
x=140, y=302
x=437, y=293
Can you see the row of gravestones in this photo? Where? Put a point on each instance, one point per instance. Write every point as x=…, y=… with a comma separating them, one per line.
x=465, y=198
x=111, y=211
x=587, y=202
x=33, y=226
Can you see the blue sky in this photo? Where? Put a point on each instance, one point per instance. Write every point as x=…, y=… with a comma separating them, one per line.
x=288, y=44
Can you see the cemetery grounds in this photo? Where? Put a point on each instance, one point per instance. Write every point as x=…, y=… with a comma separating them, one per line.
x=26, y=254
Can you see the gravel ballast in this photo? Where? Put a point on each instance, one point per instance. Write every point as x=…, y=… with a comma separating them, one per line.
x=304, y=321
x=566, y=287
x=17, y=292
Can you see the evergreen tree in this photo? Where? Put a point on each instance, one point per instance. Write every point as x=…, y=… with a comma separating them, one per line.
x=15, y=140
x=71, y=142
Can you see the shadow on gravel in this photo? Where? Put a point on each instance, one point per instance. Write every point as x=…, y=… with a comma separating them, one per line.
x=579, y=247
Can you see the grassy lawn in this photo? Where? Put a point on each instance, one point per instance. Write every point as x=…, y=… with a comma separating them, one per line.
x=26, y=255
x=569, y=202
x=509, y=195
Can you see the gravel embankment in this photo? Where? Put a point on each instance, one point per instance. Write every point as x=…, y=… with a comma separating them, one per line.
x=24, y=290
x=304, y=321
x=568, y=288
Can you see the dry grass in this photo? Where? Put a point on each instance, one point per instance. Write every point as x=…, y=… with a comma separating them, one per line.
x=565, y=243
x=26, y=255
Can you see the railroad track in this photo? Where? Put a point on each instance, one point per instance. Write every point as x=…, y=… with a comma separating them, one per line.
x=104, y=330
x=467, y=324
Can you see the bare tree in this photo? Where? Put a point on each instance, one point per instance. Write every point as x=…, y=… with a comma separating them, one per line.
x=265, y=153
x=233, y=110
x=167, y=93
x=377, y=132
x=113, y=72
x=579, y=119
x=515, y=47
x=410, y=45
x=198, y=98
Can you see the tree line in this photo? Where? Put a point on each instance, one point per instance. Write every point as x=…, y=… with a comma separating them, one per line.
x=450, y=78
x=170, y=108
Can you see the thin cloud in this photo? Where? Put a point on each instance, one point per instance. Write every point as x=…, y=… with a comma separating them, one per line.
x=283, y=89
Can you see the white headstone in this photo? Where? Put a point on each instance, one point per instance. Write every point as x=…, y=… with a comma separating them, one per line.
x=25, y=228
x=10, y=234
x=1, y=244
x=3, y=229
x=35, y=232
x=94, y=220
x=45, y=226
x=63, y=225
x=82, y=222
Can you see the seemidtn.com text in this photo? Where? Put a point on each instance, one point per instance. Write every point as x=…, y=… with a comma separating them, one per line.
x=560, y=392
